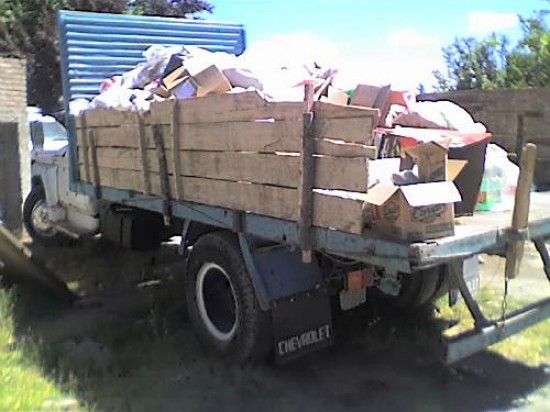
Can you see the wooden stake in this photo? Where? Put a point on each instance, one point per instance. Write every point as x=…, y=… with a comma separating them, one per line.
x=95, y=165
x=85, y=151
x=158, y=137
x=307, y=174
x=175, y=135
x=146, y=179
x=520, y=218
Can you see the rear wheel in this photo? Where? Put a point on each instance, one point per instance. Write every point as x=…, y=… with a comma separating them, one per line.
x=422, y=288
x=36, y=220
x=221, y=300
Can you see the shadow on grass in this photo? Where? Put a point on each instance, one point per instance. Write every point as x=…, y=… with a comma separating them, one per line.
x=131, y=348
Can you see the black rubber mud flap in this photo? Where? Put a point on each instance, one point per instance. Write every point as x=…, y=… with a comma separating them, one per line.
x=18, y=266
x=302, y=324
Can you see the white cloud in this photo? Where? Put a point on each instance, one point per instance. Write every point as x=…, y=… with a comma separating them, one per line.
x=405, y=59
x=409, y=37
x=482, y=22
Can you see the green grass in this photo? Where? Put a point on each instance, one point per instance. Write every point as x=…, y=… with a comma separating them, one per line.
x=531, y=346
x=23, y=386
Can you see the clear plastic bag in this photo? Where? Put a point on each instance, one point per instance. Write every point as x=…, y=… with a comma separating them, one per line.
x=498, y=186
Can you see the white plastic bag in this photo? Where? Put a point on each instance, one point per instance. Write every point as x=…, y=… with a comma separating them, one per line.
x=499, y=182
x=119, y=98
x=157, y=58
x=439, y=115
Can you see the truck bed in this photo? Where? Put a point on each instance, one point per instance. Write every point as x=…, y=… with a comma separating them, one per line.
x=484, y=232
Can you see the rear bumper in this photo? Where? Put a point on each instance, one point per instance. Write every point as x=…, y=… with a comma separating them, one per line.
x=467, y=343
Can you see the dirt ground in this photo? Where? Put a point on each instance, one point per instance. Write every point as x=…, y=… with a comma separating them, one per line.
x=130, y=347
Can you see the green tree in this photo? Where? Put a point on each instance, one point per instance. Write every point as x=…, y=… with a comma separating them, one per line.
x=175, y=8
x=28, y=29
x=491, y=63
x=529, y=62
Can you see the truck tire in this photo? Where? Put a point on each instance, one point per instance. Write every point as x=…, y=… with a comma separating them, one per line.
x=422, y=288
x=35, y=219
x=221, y=300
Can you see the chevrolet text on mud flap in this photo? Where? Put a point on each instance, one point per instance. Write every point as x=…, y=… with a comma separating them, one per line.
x=296, y=343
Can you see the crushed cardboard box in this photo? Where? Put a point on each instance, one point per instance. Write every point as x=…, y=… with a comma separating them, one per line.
x=415, y=212
x=183, y=84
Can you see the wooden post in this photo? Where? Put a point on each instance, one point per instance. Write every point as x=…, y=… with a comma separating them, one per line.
x=158, y=137
x=85, y=151
x=175, y=135
x=145, y=177
x=309, y=95
x=95, y=166
x=520, y=218
x=307, y=175
x=305, y=204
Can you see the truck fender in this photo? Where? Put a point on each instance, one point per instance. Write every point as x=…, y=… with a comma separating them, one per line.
x=277, y=272
x=47, y=176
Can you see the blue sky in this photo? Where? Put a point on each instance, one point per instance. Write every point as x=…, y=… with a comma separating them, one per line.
x=372, y=41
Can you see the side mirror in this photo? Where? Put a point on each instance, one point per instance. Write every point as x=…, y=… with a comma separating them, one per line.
x=37, y=134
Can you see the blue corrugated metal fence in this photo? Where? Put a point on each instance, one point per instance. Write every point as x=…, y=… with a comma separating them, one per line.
x=95, y=46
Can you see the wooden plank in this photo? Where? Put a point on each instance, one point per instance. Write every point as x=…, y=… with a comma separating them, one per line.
x=248, y=167
x=125, y=135
x=129, y=180
x=262, y=199
x=346, y=123
x=216, y=108
x=341, y=173
x=520, y=217
x=331, y=211
x=264, y=137
x=281, y=170
x=102, y=117
x=267, y=137
x=339, y=148
x=336, y=211
x=331, y=110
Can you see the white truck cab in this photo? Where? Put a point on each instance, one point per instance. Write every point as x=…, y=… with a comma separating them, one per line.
x=52, y=213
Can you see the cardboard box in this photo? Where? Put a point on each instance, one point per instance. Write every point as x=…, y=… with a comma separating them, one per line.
x=172, y=84
x=373, y=96
x=210, y=80
x=183, y=85
x=431, y=159
x=382, y=170
x=415, y=212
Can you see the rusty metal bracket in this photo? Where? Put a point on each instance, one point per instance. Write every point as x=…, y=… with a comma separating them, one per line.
x=519, y=235
x=480, y=321
x=540, y=245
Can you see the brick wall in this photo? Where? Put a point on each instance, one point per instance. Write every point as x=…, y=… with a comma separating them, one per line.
x=14, y=141
x=515, y=117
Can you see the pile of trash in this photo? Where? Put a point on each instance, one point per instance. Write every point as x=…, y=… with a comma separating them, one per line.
x=184, y=72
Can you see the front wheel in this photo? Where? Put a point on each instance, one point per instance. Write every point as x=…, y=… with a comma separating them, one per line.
x=36, y=221
x=221, y=300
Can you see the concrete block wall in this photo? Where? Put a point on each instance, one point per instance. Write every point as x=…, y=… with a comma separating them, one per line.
x=14, y=140
x=514, y=117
